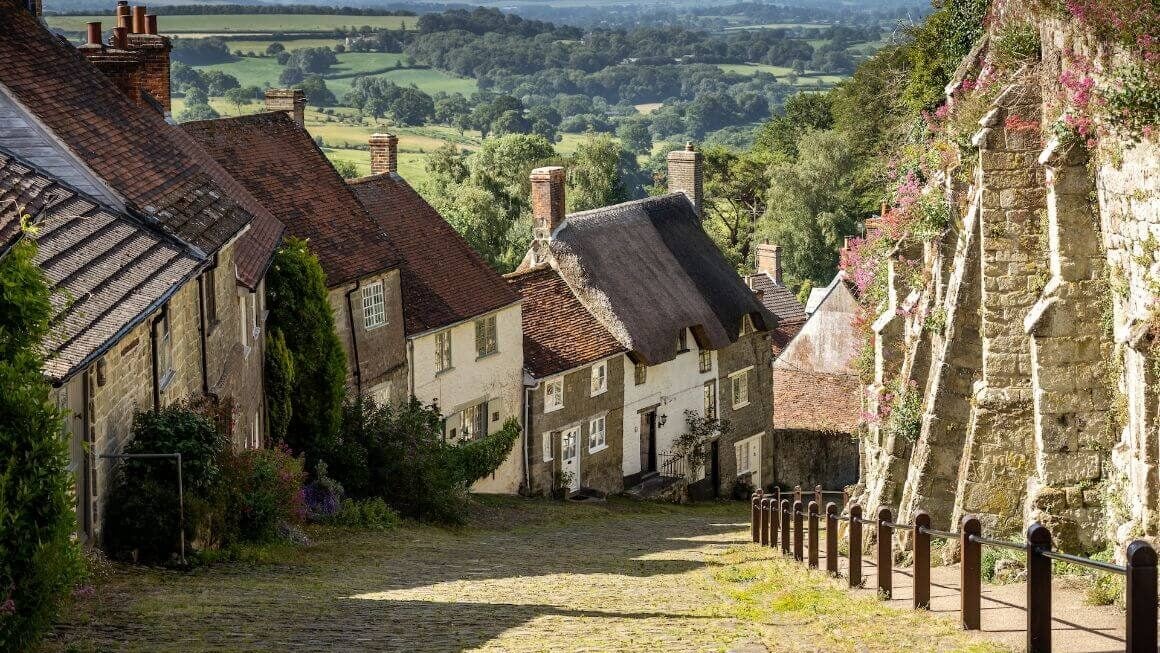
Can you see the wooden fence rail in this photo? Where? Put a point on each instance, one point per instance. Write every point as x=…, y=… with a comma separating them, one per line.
x=772, y=515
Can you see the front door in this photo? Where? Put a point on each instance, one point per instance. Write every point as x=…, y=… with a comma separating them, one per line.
x=648, y=441
x=714, y=470
x=570, y=456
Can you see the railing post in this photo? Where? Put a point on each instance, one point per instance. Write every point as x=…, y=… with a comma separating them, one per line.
x=763, y=524
x=813, y=515
x=754, y=515
x=818, y=494
x=970, y=572
x=885, y=554
x=921, y=561
x=797, y=531
x=1141, y=597
x=1038, y=589
x=832, y=538
x=845, y=500
x=786, y=518
x=775, y=514
x=855, y=545
x=797, y=493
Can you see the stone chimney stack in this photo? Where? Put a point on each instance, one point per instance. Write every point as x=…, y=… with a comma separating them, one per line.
x=685, y=174
x=384, y=154
x=769, y=260
x=290, y=100
x=547, y=206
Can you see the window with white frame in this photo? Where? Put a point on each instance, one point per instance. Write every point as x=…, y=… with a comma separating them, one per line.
x=640, y=373
x=705, y=358
x=739, y=384
x=553, y=395
x=683, y=341
x=748, y=452
x=711, y=400
x=374, y=306
x=473, y=421
x=746, y=325
x=486, y=342
x=254, y=315
x=547, y=446
x=599, y=378
x=163, y=350
x=597, y=432
x=443, y=350
x=244, y=328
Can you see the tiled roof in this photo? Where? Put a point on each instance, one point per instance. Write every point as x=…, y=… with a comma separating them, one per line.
x=647, y=270
x=277, y=160
x=444, y=280
x=783, y=333
x=154, y=165
x=559, y=333
x=815, y=401
x=777, y=298
x=108, y=271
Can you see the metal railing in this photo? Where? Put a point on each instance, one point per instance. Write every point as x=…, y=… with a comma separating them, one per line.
x=672, y=465
x=771, y=518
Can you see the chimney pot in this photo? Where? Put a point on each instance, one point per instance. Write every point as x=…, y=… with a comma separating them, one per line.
x=123, y=20
x=151, y=24
x=384, y=154
x=686, y=175
x=290, y=100
x=139, y=19
x=94, y=33
x=121, y=37
x=769, y=260
x=547, y=206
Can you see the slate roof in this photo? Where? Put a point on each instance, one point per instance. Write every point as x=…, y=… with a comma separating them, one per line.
x=154, y=165
x=815, y=401
x=646, y=269
x=109, y=271
x=783, y=333
x=444, y=280
x=777, y=298
x=277, y=160
x=559, y=333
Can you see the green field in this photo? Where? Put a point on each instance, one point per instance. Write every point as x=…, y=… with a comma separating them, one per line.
x=754, y=68
x=259, y=45
x=209, y=24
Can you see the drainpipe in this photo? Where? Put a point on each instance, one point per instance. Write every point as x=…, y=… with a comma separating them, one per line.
x=203, y=337
x=354, y=337
x=528, y=439
x=410, y=368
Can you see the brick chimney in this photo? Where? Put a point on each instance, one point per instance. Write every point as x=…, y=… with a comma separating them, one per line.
x=36, y=7
x=290, y=100
x=384, y=154
x=685, y=174
x=137, y=57
x=769, y=260
x=547, y=206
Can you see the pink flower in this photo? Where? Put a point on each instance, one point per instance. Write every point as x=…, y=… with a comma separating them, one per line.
x=8, y=607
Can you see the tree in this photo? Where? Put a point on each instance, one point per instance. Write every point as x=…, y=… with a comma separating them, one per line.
x=600, y=173
x=635, y=137
x=217, y=82
x=279, y=366
x=345, y=169
x=510, y=122
x=317, y=94
x=811, y=207
x=38, y=561
x=300, y=310
x=197, y=112
x=239, y=97
x=274, y=49
x=412, y=107
x=736, y=185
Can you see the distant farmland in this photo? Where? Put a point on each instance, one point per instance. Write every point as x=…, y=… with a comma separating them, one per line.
x=258, y=24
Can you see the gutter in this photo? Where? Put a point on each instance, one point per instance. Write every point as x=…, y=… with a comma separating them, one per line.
x=354, y=337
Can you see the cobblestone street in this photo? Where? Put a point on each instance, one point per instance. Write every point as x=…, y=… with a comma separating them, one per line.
x=524, y=576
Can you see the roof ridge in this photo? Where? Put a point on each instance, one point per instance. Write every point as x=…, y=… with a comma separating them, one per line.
x=637, y=202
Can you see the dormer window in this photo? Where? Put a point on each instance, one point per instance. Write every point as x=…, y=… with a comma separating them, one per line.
x=683, y=341
x=747, y=325
x=599, y=378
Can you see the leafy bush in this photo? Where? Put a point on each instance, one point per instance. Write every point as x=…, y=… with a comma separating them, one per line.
x=370, y=514
x=1016, y=45
x=38, y=560
x=398, y=454
x=264, y=491
x=142, y=514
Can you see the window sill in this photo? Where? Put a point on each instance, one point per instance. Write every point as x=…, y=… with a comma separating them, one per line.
x=552, y=410
x=597, y=393
x=489, y=354
x=372, y=328
x=548, y=460
x=445, y=370
x=598, y=449
x=740, y=406
x=166, y=381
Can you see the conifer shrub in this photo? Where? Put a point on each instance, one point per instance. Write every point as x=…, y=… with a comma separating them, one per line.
x=279, y=385
x=39, y=563
x=300, y=310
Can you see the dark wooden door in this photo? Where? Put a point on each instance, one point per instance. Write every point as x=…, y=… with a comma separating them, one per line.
x=648, y=442
x=714, y=469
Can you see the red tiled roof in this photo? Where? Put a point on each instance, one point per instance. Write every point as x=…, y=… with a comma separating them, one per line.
x=815, y=401
x=151, y=163
x=277, y=160
x=444, y=280
x=783, y=333
x=559, y=333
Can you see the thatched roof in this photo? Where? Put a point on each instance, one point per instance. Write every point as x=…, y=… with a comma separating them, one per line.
x=646, y=269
